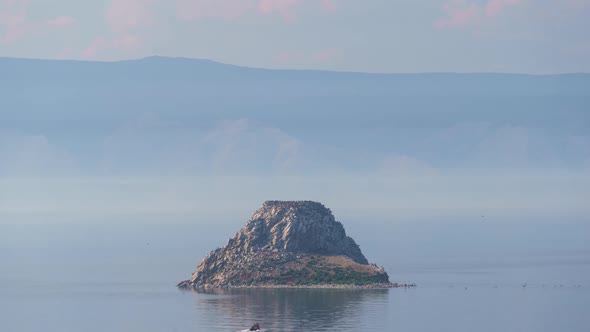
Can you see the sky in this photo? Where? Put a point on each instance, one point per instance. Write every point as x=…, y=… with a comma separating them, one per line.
x=519, y=36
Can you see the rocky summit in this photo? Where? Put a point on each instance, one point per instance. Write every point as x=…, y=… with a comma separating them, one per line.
x=288, y=243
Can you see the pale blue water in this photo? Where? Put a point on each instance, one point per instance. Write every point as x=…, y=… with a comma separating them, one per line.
x=160, y=307
x=93, y=282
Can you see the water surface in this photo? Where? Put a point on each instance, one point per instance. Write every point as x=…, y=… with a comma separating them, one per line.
x=114, y=279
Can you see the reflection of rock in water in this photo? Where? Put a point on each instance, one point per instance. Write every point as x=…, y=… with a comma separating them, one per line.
x=288, y=309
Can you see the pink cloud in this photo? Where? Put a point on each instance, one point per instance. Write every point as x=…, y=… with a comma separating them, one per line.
x=62, y=21
x=125, y=19
x=494, y=7
x=228, y=9
x=124, y=15
x=328, y=5
x=13, y=18
x=127, y=41
x=234, y=9
x=98, y=44
x=285, y=8
x=461, y=13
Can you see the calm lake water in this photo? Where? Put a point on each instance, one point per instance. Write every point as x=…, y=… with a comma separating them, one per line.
x=126, y=282
x=459, y=306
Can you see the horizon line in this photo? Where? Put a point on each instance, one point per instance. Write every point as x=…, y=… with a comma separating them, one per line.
x=290, y=69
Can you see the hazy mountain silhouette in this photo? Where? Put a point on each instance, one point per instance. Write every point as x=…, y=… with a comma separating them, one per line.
x=102, y=112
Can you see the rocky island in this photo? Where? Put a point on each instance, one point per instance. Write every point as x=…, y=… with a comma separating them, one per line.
x=289, y=244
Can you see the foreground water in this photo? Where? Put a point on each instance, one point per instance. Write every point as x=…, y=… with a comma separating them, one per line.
x=433, y=306
x=108, y=279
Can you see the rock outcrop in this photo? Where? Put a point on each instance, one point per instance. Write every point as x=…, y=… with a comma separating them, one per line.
x=287, y=243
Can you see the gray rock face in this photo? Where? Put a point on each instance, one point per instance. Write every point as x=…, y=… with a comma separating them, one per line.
x=298, y=227
x=278, y=235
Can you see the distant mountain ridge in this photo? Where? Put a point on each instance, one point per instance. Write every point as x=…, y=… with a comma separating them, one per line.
x=163, y=60
x=99, y=113
x=160, y=65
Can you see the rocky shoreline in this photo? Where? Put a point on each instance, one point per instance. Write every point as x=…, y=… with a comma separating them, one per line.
x=290, y=244
x=186, y=285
